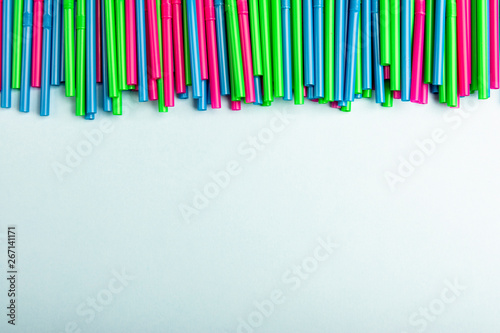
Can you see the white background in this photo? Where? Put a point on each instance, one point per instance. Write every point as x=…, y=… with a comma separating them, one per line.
x=322, y=176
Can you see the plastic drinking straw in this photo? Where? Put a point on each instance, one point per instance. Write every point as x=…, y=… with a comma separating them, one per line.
x=339, y=55
x=131, y=42
x=36, y=70
x=277, y=41
x=167, y=52
x=90, y=58
x=429, y=41
x=367, y=93
x=121, y=49
x=6, y=54
x=297, y=51
x=232, y=73
x=425, y=93
x=494, y=45
x=194, y=48
x=202, y=39
x=235, y=49
x=152, y=84
x=351, y=50
x=329, y=51
x=258, y=90
x=482, y=49
x=107, y=101
x=287, y=50
x=213, y=64
x=24, y=103
x=142, y=72
x=451, y=53
x=463, y=52
x=267, y=70
x=17, y=41
x=439, y=30
x=246, y=50
x=385, y=32
x=235, y=105
x=1, y=42
x=98, y=41
x=209, y=102
x=387, y=72
x=346, y=108
x=319, y=63
x=117, y=104
x=62, y=67
x=442, y=88
x=406, y=39
x=253, y=9
x=418, y=52
x=366, y=43
x=468, y=30
x=109, y=14
x=434, y=89
x=187, y=55
x=395, y=43
x=220, y=25
x=358, y=86
x=202, y=101
x=69, y=47
x=396, y=94
x=56, y=30
x=474, y=74
x=46, y=58
x=161, y=81
x=80, y=57
x=178, y=40
x=308, y=43
x=389, y=98
x=378, y=70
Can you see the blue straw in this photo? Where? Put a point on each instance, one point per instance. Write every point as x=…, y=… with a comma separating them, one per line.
x=184, y=95
x=209, y=98
x=194, y=49
x=340, y=10
x=90, y=61
x=142, y=66
x=308, y=34
x=257, y=82
x=310, y=93
x=61, y=47
x=439, y=28
x=319, y=64
x=287, y=49
x=358, y=96
x=434, y=89
x=220, y=25
x=6, y=54
x=377, y=67
x=24, y=104
x=406, y=38
x=55, y=76
x=46, y=56
x=352, y=50
x=107, y=103
x=366, y=46
x=202, y=100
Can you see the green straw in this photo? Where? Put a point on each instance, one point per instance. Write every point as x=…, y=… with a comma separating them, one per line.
x=395, y=43
x=253, y=10
x=297, y=55
x=80, y=57
x=161, y=92
x=443, y=87
x=117, y=104
x=111, y=47
x=429, y=41
x=474, y=76
x=17, y=43
x=451, y=53
x=367, y=93
x=346, y=108
x=187, y=59
x=279, y=89
x=69, y=47
x=121, y=54
x=233, y=36
x=234, y=96
x=385, y=32
x=482, y=49
x=358, y=84
x=389, y=98
x=267, y=71
x=329, y=50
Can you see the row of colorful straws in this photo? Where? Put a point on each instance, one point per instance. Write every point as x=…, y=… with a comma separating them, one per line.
x=253, y=51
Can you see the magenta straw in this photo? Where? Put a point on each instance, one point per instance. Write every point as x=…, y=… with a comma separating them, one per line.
x=396, y=94
x=131, y=42
x=494, y=46
x=246, y=50
x=462, y=47
x=424, y=95
x=235, y=105
x=179, y=71
x=418, y=52
x=168, y=56
x=152, y=84
x=469, y=37
x=387, y=72
x=36, y=55
x=152, y=38
x=335, y=104
x=200, y=20
x=213, y=59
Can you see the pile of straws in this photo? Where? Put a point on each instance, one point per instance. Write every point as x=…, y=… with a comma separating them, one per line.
x=253, y=51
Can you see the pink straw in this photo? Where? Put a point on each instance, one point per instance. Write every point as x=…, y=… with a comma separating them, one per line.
x=200, y=20
x=168, y=57
x=213, y=61
x=396, y=94
x=246, y=50
x=463, y=52
x=418, y=52
x=36, y=57
x=152, y=37
x=1, y=24
x=424, y=96
x=235, y=105
x=131, y=42
x=494, y=46
x=335, y=105
x=152, y=86
x=387, y=72
x=469, y=44
x=98, y=41
x=180, y=74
